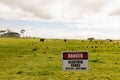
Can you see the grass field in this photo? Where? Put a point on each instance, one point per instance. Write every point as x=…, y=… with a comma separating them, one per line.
x=30, y=59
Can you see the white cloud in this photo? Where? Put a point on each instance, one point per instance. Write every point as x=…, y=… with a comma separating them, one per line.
x=14, y=13
x=53, y=9
x=115, y=12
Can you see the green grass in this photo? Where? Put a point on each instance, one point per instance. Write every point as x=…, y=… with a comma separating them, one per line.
x=30, y=59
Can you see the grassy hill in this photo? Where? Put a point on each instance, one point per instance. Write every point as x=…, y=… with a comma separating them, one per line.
x=30, y=59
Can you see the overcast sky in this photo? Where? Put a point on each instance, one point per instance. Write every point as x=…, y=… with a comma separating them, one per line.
x=76, y=19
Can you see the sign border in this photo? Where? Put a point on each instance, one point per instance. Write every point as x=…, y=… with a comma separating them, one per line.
x=80, y=69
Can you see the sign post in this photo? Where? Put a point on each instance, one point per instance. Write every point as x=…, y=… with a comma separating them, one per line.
x=75, y=61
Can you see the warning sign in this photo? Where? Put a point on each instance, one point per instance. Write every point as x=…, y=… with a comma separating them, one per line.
x=75, y=61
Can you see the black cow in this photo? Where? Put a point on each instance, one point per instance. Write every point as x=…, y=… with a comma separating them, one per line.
x=110, y=40
x=42, y=40
x=65, y=40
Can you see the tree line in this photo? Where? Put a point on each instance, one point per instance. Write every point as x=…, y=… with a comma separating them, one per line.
x=10, y=33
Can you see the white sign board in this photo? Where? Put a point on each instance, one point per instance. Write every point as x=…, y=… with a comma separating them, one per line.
x=75, y=61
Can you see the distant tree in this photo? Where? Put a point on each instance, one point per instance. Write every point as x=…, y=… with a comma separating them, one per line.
x=2, y=32
x=8, y=31
x=22, y=31
x=10, y=34
x=91, y=39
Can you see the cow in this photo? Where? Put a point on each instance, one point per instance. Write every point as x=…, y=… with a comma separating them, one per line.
x=42, y=40
x=65, y=40
x=110, y=40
